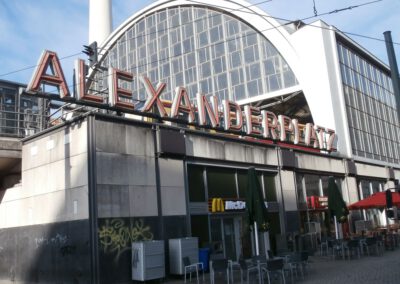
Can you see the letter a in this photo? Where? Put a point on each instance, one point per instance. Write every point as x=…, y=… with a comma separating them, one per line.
x=57, y=79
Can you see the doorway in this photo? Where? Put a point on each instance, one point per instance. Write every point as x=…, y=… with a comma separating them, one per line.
x=227, y=236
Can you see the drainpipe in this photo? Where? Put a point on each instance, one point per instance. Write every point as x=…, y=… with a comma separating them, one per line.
x=394, y=70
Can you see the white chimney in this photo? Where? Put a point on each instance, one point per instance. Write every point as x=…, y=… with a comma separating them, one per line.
x=100, y=20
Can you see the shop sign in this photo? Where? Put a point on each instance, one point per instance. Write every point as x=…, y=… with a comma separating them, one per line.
x=317, y=202
x=220, y=205
x=228, y=116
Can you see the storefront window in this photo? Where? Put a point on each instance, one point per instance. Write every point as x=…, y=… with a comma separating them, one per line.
x=324, y=181
x=312, y=185
x=242, y=182
x=269, y=187
x=300, y=190
x=196, y=183
x=221, y=182
x=365, y=189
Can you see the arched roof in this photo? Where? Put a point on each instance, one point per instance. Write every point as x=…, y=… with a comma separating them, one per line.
x=263, y=23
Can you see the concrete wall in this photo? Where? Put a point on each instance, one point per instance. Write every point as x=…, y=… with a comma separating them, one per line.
x=172, y=187
x=371, y=170
x=44, y=229
x=319, y=163
x=209, y=148
x=126, y=175
x=54, y=181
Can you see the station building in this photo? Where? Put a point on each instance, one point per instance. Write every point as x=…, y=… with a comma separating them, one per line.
x=105, y=178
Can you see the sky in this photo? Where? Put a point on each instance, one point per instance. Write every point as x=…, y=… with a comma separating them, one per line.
x=28, y=27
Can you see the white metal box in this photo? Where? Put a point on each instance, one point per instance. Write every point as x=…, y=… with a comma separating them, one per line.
x=148, y=261
x=180, y=248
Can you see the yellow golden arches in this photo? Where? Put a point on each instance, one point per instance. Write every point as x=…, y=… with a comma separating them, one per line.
x=217, y=205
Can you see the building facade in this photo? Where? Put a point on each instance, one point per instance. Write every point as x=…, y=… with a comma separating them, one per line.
x=96, y=183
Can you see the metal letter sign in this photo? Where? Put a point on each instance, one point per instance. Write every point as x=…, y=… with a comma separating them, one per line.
x=251, y=122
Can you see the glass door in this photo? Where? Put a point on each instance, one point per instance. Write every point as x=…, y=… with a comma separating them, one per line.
x=226, y=236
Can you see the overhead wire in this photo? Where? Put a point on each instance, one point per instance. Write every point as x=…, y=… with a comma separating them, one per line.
x=142, y=35
x=221, y=42
x=235, y=38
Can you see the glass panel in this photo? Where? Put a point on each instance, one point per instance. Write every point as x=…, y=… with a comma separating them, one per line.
x=221, y=182
x=270, y=189
x=324, y=180
x=312, y=185
x=299, y=186
x=199, y=225
x=229, y=238
x=196, y=184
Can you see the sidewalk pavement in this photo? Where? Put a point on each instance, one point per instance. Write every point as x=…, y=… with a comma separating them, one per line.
x=383, y=269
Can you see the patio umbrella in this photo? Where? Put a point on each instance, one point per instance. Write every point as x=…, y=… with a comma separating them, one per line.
x=255, y=206
x=376, y=200
x=336, y=205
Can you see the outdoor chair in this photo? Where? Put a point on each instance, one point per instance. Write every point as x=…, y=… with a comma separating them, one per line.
x=380, y=243
x=371, y=243
x=352, y=247
x=192, y=267
x=324, y=246
x=247, y=269
x=274, y=267
x=295, y=264
x=219, y=266
x=304, y=260
x=337, y=248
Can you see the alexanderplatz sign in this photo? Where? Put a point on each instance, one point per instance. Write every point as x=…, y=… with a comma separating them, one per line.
x=249, y=122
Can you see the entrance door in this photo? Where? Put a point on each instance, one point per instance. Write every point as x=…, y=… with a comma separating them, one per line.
x=226, y=236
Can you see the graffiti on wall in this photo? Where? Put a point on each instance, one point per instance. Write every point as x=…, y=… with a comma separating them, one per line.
x=57, y=240
x=116, y=236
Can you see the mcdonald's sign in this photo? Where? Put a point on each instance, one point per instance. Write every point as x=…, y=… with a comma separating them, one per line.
x=220, y=205
x=217, y=205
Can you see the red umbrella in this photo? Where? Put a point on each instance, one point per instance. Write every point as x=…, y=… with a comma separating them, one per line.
x=376, y=200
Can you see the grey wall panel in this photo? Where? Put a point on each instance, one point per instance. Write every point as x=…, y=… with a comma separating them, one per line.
x=117, y=201
x=125, y=139
x=320, y=163
x=119, y=169
x=58, y=145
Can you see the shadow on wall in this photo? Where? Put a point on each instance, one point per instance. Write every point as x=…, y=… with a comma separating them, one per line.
x=50, y=252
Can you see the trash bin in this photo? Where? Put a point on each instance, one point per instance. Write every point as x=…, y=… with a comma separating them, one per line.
x=204, y=255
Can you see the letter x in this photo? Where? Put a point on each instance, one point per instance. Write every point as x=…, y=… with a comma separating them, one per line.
x=153, y=96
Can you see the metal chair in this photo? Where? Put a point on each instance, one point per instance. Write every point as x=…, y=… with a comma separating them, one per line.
x=304, y=261
x=372, y=242
x=190, y=268
x=219, y=266
x=274, y=267
x=295, y=264
x=247, y=268
x=352, y=247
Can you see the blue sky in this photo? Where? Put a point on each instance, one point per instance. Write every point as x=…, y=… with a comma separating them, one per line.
x=28, y=27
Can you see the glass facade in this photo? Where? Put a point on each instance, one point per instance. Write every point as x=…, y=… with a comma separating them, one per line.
x=371, y=108
x=309, y=185
x=201, y=49
x=227, y=233
x=366, y=189
x=20, y=115
x=219, y=182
